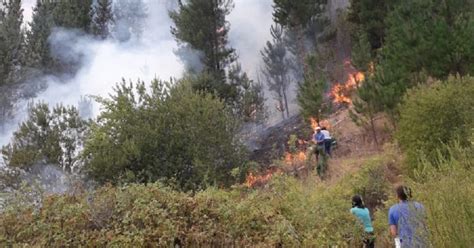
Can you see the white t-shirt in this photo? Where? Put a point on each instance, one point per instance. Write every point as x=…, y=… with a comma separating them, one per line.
x=326, y=134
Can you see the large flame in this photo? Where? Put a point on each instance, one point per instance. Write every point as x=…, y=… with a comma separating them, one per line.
x=341, y=91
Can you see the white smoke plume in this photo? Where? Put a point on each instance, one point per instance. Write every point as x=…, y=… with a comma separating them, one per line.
x=104, y=63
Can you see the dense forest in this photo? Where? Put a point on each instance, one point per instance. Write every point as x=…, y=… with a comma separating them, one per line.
x=189, y=123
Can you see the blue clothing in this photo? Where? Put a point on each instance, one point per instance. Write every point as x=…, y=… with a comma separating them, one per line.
x=409, y=217
x=364, y=216
x=319, y=137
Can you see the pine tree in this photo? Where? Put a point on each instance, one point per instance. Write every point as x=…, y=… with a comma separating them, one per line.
x=11, y=45
x=276, y=68
x=37, y=46
x=11, y=40
x=249, y=102
x=425, y=38
x=296, y=16
x=73, y=14
x=369, y=16
x=202, y=24
x=102, y=18
x=311, y=93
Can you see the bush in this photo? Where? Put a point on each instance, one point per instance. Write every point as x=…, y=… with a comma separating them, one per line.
x=433, y=115
x=287, y=213
x=168, y=133
x=446, y=188
x=47, y=137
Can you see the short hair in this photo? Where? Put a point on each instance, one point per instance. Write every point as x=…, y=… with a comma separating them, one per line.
x=403, y=192
x=323, y=128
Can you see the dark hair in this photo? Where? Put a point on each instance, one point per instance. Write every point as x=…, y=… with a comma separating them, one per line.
x=323, y=128
x=403, y=192
x=357, y=202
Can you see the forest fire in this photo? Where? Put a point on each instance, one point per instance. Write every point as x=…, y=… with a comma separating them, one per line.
x=341, y=91
x=255, y=180
x=292, y=161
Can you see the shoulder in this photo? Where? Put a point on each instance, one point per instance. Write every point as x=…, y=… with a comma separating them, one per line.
x=393, y=210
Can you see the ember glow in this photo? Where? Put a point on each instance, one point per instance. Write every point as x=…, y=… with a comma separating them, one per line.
x=257, y=180
x=295, y=161
x=341, y=92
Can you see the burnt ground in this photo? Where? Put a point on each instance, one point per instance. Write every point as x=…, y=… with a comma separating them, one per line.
x=273, y=142
x=353, y=142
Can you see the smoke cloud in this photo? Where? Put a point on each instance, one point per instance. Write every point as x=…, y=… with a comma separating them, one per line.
x=153, y=55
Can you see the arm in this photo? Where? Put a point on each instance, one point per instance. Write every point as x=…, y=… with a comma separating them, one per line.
x=393, y=230
x=393, y=221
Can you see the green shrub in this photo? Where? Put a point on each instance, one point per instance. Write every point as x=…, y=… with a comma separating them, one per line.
x=49, y=136
x=433, y=115
x=446, y=188
x=168, y=133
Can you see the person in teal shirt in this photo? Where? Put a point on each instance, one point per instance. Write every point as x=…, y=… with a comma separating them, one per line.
x=362, y=213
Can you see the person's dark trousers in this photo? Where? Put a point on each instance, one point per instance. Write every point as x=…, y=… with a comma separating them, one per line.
x=369, y=240
x=327, y=146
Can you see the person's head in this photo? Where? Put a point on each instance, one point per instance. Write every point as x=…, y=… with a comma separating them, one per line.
x=323, y=128
x=403, y=193
x=357, y=202
x=318, y=129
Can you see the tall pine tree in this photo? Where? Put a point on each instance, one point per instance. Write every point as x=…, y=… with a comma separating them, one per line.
x=296, y=16
x=37, y=46
x=276, y=68
x=102, y=18
x=202, y=24
x=11, y=40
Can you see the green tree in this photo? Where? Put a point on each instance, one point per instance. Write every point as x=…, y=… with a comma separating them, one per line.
x=433, y=116
x=249, y=103
x=169, y=133
x=102, y=18
x=311, y=93
x=276, y=68
x=73, y=14
x=11, y=45
x=47, y=137
x=425, y=38
x=369, y=16
x=11, y=40
x=202, y=24
x=296, y=16
x=367, y=105
x=37, y=46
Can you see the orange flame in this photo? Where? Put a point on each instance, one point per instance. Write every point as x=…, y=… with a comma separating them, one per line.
x=254, y=180
x=341, y=91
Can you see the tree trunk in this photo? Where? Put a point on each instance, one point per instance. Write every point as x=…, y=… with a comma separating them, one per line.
x=286, y=104
x=372, y=126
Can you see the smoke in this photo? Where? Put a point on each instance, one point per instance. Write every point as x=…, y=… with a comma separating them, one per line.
x=250, y=29
x=103, y=63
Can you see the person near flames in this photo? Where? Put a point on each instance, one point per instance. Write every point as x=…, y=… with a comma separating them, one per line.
x=362, y=213
x=407, y=221
x=318, y=139
x=327, y=141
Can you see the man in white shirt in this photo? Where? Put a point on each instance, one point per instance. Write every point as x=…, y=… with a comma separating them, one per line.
x=327, y=141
